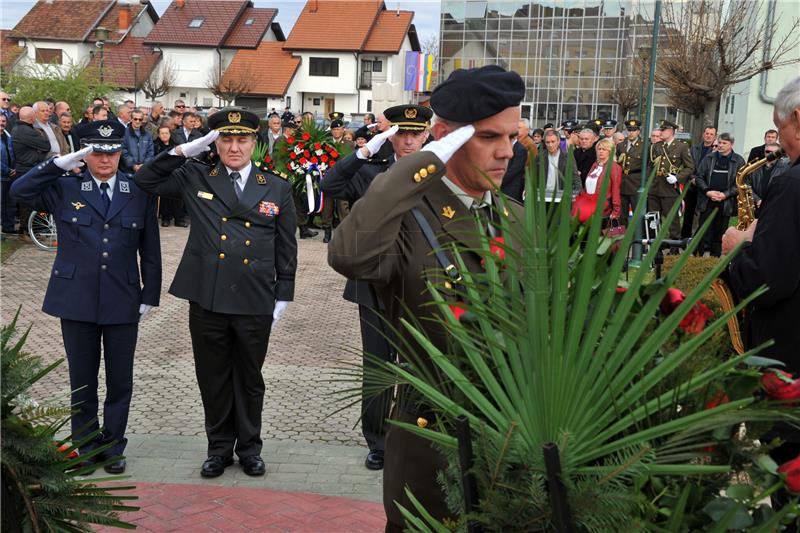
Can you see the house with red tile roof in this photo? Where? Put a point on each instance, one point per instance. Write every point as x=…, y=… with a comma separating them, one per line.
x=199, y=39
x=356, y=68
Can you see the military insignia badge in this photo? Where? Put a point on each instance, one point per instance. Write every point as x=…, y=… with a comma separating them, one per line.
x=268, y=209
x=86, y=186
x=214, y=172
x=448, y=212
x=105, y=131
x=124, y=186
x=260, y=179
x=234, y=118
x=410, y=113
x=78, y=205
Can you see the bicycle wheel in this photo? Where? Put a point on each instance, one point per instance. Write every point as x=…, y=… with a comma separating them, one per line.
x=42, y=229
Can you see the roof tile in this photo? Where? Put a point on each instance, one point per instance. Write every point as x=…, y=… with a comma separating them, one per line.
x=11, y=51
x=249, y=35
x=117, y=65
x=218, y=16
x=352, y=20
x=271, y=81
x=389, y=31
x=62, y=20
x=111, y=21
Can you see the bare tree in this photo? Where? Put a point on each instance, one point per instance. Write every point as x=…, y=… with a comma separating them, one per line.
x=430, y=45
x=161, y=80
x=626, y=92
x=229, y=85
x=710, y=45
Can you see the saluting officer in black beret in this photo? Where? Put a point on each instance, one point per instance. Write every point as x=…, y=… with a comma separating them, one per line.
x=349, y=180
x=383, y=243
x=104, y=221
x=630, y=153
x=237, y=272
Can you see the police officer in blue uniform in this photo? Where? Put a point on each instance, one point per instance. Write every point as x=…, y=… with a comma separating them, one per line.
x=97, y=286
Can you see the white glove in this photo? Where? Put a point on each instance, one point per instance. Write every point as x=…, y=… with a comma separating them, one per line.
x=197, y=146
x=445, y=147
x=71, y=161
x=672, y=179
x=372, y=126
x=375, y=143
x=277, y=313
x=143, y=310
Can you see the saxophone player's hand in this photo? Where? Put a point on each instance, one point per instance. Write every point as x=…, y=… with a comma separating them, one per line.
x=733, y=237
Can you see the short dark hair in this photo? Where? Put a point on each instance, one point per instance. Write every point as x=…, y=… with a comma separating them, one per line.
x=725, y=137
x=96, y=109
x=710, y=128
x=770, y=131
x=186, y=115
x=538, y=131
x=172, y=114
x=371, y=116
x=551, y=133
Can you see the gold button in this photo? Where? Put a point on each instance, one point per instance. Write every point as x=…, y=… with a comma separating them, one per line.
x=245, y=260
x=224, y=219
x=431, y=169
x=422, y=422
x=417, y=177
x=222, y=255
x=247, y=242
x=247, y=224
x=423, y=173
x=223, y=237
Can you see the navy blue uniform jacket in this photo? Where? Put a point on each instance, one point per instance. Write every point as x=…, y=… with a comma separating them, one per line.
x=95, y=276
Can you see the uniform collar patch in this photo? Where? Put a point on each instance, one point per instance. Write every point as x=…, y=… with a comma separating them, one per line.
x=260, y=179
x=124, y=186
x=86, y=185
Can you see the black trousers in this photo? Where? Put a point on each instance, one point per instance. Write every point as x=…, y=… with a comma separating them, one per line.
x=229, y=351
x=663, y=204
x=374, y=407
x=627, y=204
x=82, y=342
x=712, y=240
x=690, y=206
x=171, y=208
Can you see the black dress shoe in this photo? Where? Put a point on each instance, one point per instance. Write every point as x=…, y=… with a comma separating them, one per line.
x=306, y=233
x=165, y=223
x=327, y=236
x=374, y=460
x=117, y=467
x=182, y=224
x=253, y=465
x=215, y=465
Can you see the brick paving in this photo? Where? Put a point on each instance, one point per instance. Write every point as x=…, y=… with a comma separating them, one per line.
x=313, y=446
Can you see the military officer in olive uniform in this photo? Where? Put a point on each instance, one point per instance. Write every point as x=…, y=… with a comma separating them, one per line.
x=673, y=163
x=630, y=159
x=104, y=221
x=349, y=180
x=237, y=272
x=386, y=241
x=340, y=206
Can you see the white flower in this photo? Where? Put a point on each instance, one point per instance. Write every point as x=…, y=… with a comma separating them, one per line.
x=318, y=152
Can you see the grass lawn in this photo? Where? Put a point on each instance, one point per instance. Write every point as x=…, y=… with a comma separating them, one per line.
x=8, y=247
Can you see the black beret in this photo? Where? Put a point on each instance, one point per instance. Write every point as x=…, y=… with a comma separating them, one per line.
x=233, y=121
x=102, y=135
x=470, y=95
x=409, y=117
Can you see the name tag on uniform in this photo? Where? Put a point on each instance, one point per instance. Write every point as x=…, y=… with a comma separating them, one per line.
x=205, y=195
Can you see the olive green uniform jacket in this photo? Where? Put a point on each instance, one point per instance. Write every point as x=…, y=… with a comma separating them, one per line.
x=675, y=158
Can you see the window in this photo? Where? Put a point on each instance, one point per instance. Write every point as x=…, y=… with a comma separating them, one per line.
x=323, y=66
x=369, y=106
x=49, y=55
x=289, y=102
x=317, y=101
x=196, y=23
x=377, y=66
x=249, y=22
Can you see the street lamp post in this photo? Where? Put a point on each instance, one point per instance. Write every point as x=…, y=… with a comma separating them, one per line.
x=135, y=58
x=101, y=36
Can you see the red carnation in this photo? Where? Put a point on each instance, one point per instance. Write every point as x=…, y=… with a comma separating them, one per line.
x=324, y=158
x=303, y=160
x=314, y=160
x=621, y=290
x=695, y=320
x=317, y=146
x=672, y=300
x=306, y=136
x=718, y=399
x=63, y=449
x=792, y=471
x=780, y=385
x=332, y=163
x=290, y=140
x=457, y=311
x=306, y=153
x=301, y=145
x=292, y=155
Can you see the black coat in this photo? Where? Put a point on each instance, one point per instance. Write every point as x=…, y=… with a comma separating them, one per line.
x=703, y=182
x=584, y=159
x=773, y=259
x=758, y=152
x=241, y=255
x=349, y=180
x=179, y=137
x=513, y=184
x=30, y=147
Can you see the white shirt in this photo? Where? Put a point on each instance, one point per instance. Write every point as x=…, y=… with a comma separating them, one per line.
x=55, y=149
x=112, y=181
x=467, y=200
x=244, y=174
x=186, y=133
x=591, y=179
x=551, y=188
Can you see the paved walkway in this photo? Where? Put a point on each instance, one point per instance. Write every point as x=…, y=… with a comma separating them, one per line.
x=313, y=442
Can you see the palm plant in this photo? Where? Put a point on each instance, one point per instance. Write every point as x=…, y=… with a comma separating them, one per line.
x=549, y=351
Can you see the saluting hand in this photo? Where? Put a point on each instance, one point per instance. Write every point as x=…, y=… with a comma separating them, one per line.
x=72, y=160
x=445, y=147
x=197, y=146
x=374, y=144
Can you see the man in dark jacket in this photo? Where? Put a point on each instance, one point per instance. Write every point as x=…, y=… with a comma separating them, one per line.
x=30, y=148
x=349, y=180
x=699, y=151
x=137, y=146
x=717, y=192
x=514, y=180
x=8, y=209
x=237, y=272
x=630, y=153
x=585, y=154
x=770, y=137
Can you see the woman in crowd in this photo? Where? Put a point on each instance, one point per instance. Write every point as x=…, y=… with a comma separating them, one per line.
x=350, y=136
x=610, y=206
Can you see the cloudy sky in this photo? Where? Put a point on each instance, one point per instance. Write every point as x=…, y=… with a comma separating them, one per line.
x=426, y=17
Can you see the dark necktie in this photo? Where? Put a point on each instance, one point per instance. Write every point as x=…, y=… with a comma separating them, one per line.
x=104, y=197
x=236, y=187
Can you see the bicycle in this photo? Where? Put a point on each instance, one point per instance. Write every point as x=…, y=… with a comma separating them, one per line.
x=42, y=230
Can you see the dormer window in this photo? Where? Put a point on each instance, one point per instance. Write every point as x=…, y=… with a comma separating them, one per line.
x=249, y=22
x=196, y=23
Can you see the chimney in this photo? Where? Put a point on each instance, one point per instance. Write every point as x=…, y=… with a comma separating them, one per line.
x=180, y=3
x=124, y=18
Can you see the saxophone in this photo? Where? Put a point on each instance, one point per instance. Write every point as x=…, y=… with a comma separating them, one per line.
x=746, y=212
